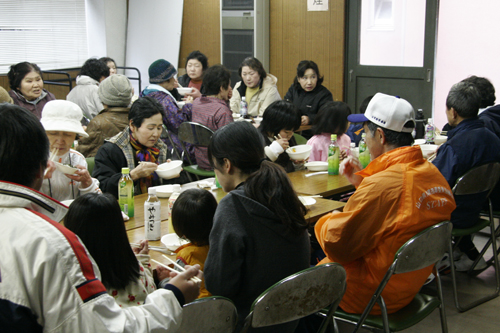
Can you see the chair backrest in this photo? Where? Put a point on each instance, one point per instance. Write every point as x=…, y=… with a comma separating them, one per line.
x=90, y=164
x=299, y=139
x=299, y=295
x=477, y=180
x=195, y=134
x=424, y=249
x=209, y=314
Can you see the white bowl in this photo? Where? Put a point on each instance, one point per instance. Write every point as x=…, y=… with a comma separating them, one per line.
x=428, y=149
x=165, y=191
x=184, y=91
x=172, y=241
x=307, y=201
x=236, y=115
x=180, y=104
x=317, y=166
x=440, y=139
x=65, y=168
x=257, y=120
x=419, y=142
x=300, y=152
x=169, y=170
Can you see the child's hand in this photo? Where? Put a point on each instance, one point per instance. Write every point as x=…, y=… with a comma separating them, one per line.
x=143, y=247
x=283, y=143
x=162, y=273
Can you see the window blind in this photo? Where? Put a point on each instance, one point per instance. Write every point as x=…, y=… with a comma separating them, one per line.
x=49, y=33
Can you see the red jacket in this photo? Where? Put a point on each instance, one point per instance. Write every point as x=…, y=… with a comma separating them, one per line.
x=401, y=194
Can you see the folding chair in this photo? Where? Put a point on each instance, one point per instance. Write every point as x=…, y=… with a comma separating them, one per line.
x=199, y=136
x=210, y=314
x=90, y=164
x=299, y=139
x=481, y=179
x=298, y=296
x=165, y=134
x=422, y=250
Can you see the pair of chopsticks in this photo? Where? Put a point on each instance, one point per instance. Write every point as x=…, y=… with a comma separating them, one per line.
x=277, y=138
x=194, y=278
x=432, y=157
x=52, y=157
x=312, y=196
x=153, y=248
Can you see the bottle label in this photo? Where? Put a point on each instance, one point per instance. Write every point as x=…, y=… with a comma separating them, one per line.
x=152, y=216
x=333, y=160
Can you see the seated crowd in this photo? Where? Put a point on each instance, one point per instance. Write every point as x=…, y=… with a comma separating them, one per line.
x=257, y=234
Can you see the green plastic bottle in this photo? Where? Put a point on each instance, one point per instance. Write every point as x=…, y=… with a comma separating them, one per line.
x=364, y=153
x=333, y=156
x=126, y=193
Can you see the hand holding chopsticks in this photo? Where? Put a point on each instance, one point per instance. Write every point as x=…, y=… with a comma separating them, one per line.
x=194, y=278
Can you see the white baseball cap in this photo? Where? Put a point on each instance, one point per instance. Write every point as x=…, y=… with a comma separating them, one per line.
x=389, y=112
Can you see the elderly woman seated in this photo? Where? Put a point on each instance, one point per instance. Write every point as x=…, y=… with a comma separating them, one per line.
x=61, y=120
x=26, y=82
x=137, y=147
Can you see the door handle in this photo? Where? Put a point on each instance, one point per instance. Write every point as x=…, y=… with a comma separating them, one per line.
x=429, y=71
x=350, y=75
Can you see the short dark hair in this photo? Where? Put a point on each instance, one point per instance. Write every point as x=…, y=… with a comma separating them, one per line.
x=254, y=64
x=393, y=138
x=485, y=88
x=465, y=99
x=332, y=118
x=144, y=108
x=364, y=104
x=193, y=215
x=215, y=77
x=303, y=66
x=267, y=183
x=18, y=71
x=200, y=57
x=107, y=59
x=95, y=69
x=24, y=146
x=97, y=220
x=280, y=115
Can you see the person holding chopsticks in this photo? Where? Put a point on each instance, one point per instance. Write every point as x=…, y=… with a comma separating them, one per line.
x=61, y=120
x=259, y=235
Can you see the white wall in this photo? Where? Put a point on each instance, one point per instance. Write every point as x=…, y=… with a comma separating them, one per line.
x=468, y=44
x=154, y=32
x=107, y=29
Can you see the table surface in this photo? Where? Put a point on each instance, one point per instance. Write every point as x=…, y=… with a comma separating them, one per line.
x=322, y=184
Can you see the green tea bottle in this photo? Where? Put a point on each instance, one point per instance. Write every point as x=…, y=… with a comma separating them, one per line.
x=364, y=154
x=333, y=156
x=126, y=193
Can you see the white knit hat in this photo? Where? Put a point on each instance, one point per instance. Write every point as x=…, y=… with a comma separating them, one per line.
x=61, y=115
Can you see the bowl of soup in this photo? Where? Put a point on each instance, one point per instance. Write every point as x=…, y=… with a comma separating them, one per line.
x=169, y=170
x=300, y=152
x=184, y=91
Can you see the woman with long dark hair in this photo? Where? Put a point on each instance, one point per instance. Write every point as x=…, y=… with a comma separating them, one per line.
x=259, y=234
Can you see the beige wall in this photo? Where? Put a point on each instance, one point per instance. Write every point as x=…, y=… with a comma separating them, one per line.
x=297, y=34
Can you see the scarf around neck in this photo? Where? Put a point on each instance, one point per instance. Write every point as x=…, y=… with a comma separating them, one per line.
x=145, y=154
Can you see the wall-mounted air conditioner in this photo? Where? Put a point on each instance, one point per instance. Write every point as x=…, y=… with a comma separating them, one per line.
x=244, y=33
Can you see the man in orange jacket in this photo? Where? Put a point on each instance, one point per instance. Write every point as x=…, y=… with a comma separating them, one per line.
x=397, y=195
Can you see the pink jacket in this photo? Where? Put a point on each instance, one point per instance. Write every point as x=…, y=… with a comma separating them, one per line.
x=320, y=145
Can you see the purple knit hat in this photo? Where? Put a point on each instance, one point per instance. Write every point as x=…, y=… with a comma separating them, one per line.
x=161, y=71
